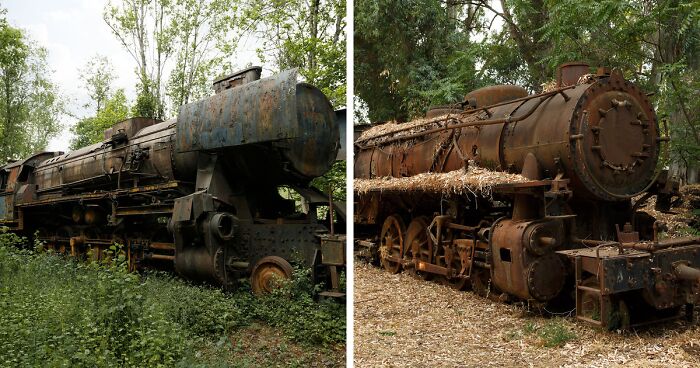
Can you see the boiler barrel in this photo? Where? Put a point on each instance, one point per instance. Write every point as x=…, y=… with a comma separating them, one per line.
x=602, y=136
x=294, y=120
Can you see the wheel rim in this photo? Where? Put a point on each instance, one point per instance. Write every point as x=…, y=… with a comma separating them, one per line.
x=418, y=243
x=269, y=273
x=392, y=243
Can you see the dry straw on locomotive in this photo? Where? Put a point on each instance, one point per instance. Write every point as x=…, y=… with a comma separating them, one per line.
x=533, y=198
x=199, y=192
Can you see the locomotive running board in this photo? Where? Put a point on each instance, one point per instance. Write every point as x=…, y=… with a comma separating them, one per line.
x=102, y=194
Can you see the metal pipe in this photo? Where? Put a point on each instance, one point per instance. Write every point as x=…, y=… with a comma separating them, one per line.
x=161, y=257
x=652, y=247
x=646, y=246
x=484, y=108
x=505, y=120
x=684, y=272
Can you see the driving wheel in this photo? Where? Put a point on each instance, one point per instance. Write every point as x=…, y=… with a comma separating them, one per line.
x=419, y=244
x=391, y=243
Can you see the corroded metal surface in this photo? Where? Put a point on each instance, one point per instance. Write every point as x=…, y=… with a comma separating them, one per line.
x=572, y=131
x=295, y=116
x=492, y=95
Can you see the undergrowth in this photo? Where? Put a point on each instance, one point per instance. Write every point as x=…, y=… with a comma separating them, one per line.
x=57, y=312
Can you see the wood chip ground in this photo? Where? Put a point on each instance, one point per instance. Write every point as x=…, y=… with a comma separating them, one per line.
x=402, y=321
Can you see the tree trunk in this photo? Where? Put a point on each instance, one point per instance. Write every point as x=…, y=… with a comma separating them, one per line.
x=315, y=4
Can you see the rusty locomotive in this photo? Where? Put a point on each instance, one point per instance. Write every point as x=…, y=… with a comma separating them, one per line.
x=199, y=193
x=569, y=235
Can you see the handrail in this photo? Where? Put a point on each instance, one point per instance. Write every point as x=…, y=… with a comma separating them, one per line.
x=483, y=108
x=508, y=119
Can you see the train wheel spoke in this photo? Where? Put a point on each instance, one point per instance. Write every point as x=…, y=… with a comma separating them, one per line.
x=391, y=245
x=418, y=243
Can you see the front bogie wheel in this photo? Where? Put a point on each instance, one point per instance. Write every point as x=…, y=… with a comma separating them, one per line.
x=269, y=273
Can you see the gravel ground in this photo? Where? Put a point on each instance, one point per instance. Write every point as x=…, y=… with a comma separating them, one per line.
x=402, y=321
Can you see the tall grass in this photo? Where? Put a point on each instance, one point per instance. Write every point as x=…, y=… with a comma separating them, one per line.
x=57, y=312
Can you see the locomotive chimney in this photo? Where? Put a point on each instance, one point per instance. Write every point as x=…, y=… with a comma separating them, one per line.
x=569, y=73
x=238, y=78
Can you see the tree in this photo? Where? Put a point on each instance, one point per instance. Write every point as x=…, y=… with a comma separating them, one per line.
x=305, y=35
x=90, y=130
x=333, y=181
x=410, y=55
x=144, y=29
x=656, y=44
x=97, y=76
x=30, y=104
x=202, y=37
x=196, y=35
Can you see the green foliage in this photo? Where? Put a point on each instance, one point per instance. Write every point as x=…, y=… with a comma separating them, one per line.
x=409, y=55
x=305, y=35
x=91, y=130
x=147, y=104
x=145, y=30
x=30, y=105
x=552, y=334
x=195, y=35
x=334, y=179
x=555, y=334
x=59, y=312
x=97, y=76
x=202, y=38
x=292, y=308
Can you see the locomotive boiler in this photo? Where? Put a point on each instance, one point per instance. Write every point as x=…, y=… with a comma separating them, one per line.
x=566, y=232
x=200, y=193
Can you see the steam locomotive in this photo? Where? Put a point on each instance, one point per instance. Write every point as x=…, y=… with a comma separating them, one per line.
x=199, y=193
x=569, y=235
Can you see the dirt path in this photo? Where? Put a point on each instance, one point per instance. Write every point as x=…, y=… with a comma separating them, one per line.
x=401, y=321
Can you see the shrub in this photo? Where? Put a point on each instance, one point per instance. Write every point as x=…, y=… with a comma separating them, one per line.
x=60, y=312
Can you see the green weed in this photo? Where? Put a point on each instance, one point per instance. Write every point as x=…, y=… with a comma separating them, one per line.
x=59, y=312
x=553, y=334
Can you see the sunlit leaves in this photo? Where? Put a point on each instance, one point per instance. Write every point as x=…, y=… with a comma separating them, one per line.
x=30, y=104
x=305, y=35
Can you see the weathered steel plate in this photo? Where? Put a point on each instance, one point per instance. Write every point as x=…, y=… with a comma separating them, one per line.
x=261, y=111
